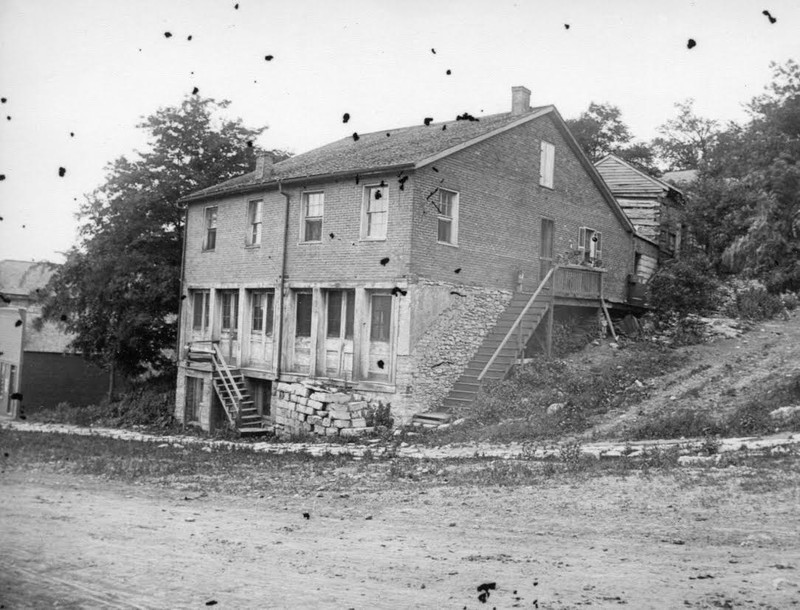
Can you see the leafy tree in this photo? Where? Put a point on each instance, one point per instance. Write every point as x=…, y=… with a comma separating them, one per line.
x=745, y=207
x=687, y=139
x=118, y=291
x=600, y=130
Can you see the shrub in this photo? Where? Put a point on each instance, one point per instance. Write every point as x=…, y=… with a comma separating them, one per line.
x=686, y=285
x=790, y=300
x=755, y=303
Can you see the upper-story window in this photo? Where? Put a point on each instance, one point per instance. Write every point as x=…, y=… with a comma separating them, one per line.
x=375, y=211
x=210, y=239
x=547, y=164
x=590, y=242
x=313, y=208
x=448, y=218
x=254, y=209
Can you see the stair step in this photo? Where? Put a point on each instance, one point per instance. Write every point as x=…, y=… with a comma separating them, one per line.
x=458, y=394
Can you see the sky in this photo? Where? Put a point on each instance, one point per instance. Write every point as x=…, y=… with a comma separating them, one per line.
x=77, y=76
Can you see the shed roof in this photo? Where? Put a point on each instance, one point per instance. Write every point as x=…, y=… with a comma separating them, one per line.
x=625, y=180
x=21, y=278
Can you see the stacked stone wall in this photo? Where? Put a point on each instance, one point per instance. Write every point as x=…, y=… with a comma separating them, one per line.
x=309, y=408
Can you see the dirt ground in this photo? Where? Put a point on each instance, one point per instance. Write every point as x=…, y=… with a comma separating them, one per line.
x=685, y=538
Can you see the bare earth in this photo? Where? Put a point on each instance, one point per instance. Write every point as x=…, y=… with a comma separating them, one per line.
x=701, y=539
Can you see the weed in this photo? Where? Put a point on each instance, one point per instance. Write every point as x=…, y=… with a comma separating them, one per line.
x=571, y=453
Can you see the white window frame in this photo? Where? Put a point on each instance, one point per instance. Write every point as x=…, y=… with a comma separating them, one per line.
x=305, y=218
x=209, y=226
x=452, y=218
x=365, y=212
x=255, y=210
x=547, y=160
x=592, y=249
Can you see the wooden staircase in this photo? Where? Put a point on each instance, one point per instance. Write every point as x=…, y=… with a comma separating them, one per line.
x=504, y=344
x=232, y=392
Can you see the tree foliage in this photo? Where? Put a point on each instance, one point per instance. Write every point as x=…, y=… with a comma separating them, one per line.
x=745, y=207
x=600, y=131
x=118, y=291
x=687, y=139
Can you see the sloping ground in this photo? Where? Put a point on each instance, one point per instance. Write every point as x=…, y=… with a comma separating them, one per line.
x=718, y=377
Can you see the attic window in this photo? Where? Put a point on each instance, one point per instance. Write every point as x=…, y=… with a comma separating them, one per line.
x=546, y=164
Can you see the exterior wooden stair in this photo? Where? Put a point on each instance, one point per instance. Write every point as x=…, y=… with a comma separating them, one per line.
x=232, y=392
x=504, y=344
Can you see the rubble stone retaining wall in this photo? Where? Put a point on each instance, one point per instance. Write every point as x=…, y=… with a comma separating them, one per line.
x=308, y=408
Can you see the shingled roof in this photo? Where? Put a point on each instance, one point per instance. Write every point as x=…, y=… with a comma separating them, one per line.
x=385, y=149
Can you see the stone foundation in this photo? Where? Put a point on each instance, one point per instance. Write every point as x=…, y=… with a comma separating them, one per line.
x=309, y=408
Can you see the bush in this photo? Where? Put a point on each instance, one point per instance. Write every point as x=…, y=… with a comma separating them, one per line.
x=757, y=304
x=686, y=285
x=790, y=300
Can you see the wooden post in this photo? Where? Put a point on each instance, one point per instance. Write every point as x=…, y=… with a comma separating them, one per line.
x=549, y=335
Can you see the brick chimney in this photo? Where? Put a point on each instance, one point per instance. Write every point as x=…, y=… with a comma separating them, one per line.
x=263, y=166
x=520, y=100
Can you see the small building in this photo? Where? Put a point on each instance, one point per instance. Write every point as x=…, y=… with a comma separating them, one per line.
x=397, y=269
x=53, y=372
x=654, y=206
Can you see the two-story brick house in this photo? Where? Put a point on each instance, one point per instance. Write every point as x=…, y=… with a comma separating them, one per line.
x=384, y=264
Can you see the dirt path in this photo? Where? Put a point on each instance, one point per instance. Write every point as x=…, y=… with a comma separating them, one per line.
x=663, y=542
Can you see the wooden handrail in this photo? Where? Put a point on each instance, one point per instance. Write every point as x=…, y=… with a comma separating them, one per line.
x=230, y=385
x=510, y=332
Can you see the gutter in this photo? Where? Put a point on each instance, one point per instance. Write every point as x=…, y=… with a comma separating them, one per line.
x=282, y=280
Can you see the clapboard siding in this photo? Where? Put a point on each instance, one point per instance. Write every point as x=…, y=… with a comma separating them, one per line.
x=625, y=181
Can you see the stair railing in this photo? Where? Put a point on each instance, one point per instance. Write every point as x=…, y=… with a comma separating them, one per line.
x=518, y=321
x=229, y=383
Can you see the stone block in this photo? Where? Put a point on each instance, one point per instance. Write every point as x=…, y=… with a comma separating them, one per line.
x=315, y=404
x=301, y=400
x=298, y=389
x=339, y=398
x=356, y=406
x=342, y=423
x=314, y=420
x=359, y=422
x=326, y=421
x=339, y=414
x=320, y=396
x=284, y=387
x=331, y=432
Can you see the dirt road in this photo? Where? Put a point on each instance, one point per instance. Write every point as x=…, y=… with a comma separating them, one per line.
x=704, y=539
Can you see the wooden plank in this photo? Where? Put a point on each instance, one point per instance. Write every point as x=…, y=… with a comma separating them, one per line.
x=608, y=318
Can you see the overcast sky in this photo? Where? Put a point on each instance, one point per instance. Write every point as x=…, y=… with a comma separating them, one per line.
x=93, y=68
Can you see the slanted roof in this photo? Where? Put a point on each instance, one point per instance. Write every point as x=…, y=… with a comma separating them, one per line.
x=385, y=149
x=21, y=278
x=625, y=180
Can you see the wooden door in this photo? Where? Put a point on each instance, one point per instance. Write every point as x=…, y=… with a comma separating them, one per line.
x=546, y=246
x=338, y=343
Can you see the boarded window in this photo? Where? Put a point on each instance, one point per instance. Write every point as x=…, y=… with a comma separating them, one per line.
x=303, y=320
x=381, y=317
x=254, y=223
x=547, y=164
x=313, y=209
x=448, y=217
x=376, y=212
x=210, y=240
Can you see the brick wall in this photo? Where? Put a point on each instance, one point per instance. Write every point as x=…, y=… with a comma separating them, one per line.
x=501, y=207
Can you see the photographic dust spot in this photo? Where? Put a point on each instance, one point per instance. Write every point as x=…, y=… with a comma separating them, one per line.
x=63, y=318
x=306, y=516
x=167, y=34
x=388, y=134
x=8, y=118
x=428, y=120
x=399, y=291
x=249, y=143
x=71, y=134
x=345, y=117
x=444, y=127
x=769, y=16
x=355, y=137
x=456, y=293
x=6, y=454
x=62, y=171
x=385, y=261
x=236, y=6
x=357, y=178
x=378, y=195
x=449, y=72
x=691, y=44
x=457, y=270
x=189, y=37
x=3, y=99
x=211, y=602
x=466, y=117
x=183, y=297
x=2, y=176
x=18, y=323
x=195, y=91
x=434, y=168
x=566, y=26
x=16, y=396
x=331, y=235
x=433, y=51
x=380, y=364
x=402, y=182
x=268, y=57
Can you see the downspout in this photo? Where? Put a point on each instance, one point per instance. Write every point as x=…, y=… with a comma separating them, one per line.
x=182, y=282
x=282, y=281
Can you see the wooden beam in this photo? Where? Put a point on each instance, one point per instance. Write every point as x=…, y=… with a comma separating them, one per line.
x=608, y=318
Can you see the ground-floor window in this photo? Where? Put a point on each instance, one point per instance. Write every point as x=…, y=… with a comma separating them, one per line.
x=194, y=396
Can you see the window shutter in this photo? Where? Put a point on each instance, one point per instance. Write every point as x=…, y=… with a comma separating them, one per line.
x=599, y=249
x=582, y=238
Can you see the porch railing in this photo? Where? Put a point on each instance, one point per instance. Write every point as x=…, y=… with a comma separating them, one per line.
x=578, y=282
